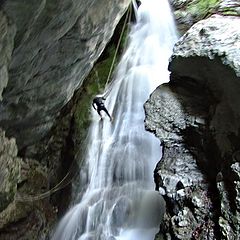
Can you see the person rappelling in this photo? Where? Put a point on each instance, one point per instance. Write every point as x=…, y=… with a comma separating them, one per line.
x=98, y=105
x=98, y=101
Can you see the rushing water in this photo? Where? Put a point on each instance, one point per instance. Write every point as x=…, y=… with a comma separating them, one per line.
x=117, y=200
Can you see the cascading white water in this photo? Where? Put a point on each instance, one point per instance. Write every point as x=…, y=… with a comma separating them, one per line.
x=121, y=156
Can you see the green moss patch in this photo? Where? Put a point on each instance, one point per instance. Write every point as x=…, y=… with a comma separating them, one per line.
x=95, y=84
x=203, y=8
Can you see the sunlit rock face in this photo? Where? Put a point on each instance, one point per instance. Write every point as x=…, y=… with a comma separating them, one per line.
x=196, y=116
x=55, y=46
x=9, y=170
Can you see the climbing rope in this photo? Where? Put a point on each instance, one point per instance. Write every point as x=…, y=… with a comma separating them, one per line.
x=62, y=184
x=127, y=19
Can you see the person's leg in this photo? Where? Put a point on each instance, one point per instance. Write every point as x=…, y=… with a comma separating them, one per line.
x=99, y=112
x=106, y=111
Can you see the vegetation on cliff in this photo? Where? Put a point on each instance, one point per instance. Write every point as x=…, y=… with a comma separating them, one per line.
x=95, y=84
x=189, y=12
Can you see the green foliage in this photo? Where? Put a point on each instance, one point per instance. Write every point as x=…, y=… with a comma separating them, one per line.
x=228, y=12
x=231, y=10
x=203, y=8
x=93, y=85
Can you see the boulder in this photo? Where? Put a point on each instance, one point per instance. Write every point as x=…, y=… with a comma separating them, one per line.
x=211, y=48
x=196, y=116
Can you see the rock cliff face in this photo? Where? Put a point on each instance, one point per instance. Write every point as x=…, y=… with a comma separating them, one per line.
x=25, y=211
x=47, y=48
x=55, y=46
x=9, y=170
x=189, y=12
x=8, y=31
x=196, y=116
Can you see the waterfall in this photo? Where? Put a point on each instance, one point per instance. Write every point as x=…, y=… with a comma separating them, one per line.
x=116, y=199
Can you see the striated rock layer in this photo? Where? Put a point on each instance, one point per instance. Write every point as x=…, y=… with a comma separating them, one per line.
x=55, y=46
x=196, y=116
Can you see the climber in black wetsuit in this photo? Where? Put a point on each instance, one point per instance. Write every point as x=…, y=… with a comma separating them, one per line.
x=98, y=101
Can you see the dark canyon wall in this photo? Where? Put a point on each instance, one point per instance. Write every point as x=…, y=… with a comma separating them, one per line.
x=47, y=48
x=196, y=117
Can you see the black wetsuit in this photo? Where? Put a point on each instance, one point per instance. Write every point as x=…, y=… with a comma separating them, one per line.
x=100, y=106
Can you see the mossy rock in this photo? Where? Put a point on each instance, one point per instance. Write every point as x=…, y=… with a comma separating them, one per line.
x=189, y=12
x=95, y=84
x=203, y=8
x=229, y=8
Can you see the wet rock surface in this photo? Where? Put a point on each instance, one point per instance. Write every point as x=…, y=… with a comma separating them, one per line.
x=47, y=50
x=55, y=47
x=178, y=176
x=196, y=116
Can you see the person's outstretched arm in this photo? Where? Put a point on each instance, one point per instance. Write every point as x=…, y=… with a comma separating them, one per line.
x=93, y=105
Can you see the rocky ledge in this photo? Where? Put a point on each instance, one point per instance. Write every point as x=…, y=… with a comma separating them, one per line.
x=196, y=116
